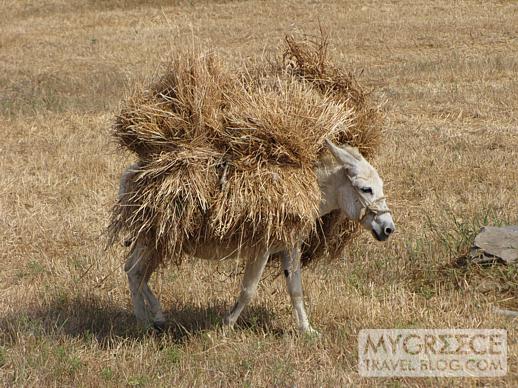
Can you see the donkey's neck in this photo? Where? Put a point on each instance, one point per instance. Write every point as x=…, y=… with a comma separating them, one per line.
x=329, y=178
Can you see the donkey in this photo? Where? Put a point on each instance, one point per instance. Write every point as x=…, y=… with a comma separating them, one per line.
x=347, y=182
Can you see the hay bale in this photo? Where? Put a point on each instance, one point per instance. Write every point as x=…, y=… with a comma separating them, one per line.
x=230, y=155
x=308, y=60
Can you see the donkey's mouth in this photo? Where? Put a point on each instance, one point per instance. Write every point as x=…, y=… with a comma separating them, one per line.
x=379, y=236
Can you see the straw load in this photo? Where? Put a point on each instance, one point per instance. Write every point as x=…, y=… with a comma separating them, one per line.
x=229, y=155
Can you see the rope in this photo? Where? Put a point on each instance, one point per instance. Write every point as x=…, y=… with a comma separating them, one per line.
x=368, y=205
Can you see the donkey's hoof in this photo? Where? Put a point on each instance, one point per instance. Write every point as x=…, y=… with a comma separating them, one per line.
x=310, y=332
x=228, y=322
x=159, y=326
x=226, y=330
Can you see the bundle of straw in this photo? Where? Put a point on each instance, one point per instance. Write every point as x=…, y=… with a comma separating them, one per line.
x=230, y=155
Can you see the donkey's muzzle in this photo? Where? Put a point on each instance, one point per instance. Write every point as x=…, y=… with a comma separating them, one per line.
x=384, y=233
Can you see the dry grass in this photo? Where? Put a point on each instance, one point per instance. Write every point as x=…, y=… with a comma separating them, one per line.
x=448, y=73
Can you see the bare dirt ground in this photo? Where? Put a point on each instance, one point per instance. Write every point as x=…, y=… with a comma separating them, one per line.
x=449, y=74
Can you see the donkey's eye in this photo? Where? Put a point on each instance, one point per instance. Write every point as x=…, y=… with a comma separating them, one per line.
x=366, y=190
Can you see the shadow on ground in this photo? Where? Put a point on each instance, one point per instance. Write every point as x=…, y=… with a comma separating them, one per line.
x=87, y=317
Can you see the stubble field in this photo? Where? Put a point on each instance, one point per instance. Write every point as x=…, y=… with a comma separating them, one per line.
x=447, y=73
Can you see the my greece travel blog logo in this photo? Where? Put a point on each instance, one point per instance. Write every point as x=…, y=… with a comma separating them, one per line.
x=432, y=352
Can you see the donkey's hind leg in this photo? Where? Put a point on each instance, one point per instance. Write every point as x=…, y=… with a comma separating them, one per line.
x=133, y=268
x=151, y=299
x=253, y=271
x=139, y=267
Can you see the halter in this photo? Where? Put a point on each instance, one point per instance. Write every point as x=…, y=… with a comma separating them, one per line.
x=369, y=206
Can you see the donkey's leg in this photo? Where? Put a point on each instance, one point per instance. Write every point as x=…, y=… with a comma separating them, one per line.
x=135, y=269
x=253, y=271
x=151, y=299
x=292, y=273
x=140, y=266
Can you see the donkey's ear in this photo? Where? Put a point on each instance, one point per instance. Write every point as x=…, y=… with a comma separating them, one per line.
x=347, y=155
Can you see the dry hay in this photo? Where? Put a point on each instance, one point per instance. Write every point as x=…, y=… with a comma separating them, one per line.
x=229, y=155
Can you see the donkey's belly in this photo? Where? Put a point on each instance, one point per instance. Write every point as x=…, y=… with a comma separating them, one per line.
x=221, y=250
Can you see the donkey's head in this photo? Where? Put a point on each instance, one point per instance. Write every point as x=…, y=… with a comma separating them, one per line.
x=357, y=190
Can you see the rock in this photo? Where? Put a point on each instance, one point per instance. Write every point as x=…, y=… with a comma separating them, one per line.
x=496, y=244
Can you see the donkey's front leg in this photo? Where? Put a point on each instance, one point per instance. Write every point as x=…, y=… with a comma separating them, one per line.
x=253, y=271
x=292, y=272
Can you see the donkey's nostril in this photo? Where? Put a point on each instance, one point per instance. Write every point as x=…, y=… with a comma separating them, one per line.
x=388, y=230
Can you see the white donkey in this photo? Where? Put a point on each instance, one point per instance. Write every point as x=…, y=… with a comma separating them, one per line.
x=347, y=181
